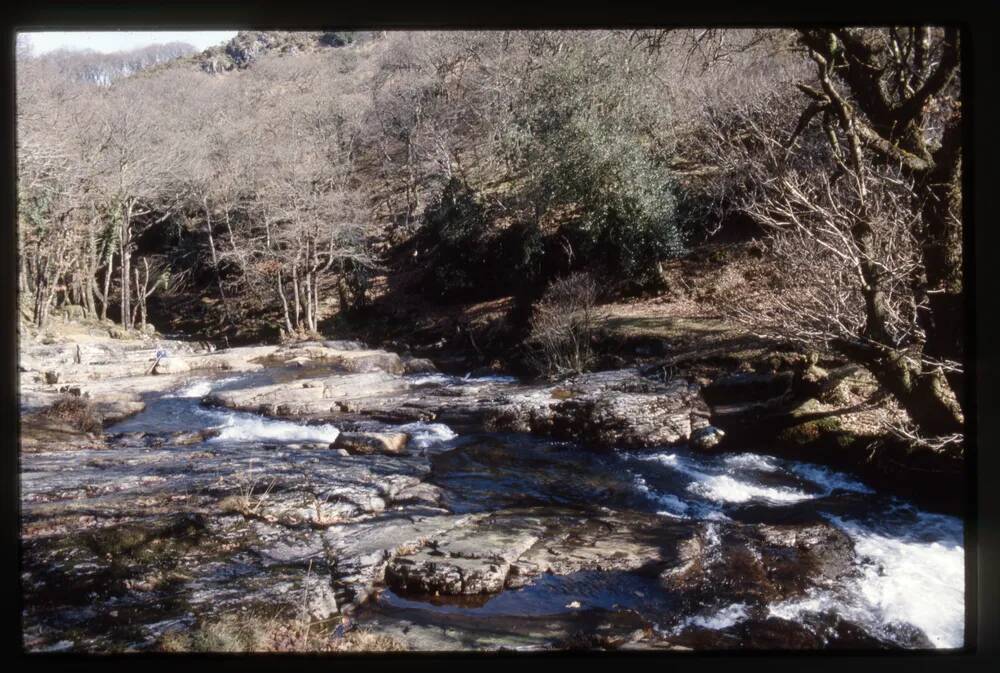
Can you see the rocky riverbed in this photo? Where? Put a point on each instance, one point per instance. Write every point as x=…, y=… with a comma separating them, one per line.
x=353, y=489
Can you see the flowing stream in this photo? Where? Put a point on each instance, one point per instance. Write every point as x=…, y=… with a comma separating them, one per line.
x=906, y=588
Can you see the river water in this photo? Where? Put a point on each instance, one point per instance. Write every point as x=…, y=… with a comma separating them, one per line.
x=906, y=588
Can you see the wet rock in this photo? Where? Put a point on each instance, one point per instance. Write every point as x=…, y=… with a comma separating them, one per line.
x=370, y=361
x=363, y=548
x=625, y=419
x=609, y=543
x=419, y=366
x=353, y=359
x=616, y=408
x=421, y=493
x=759, y=564
x=466, y=560
x=186, y=438
x=329, y=394
x=388, y=443
x=142, y=537
x=342, y=345
x=400, y=415
x=424, y=574
x=706, y=438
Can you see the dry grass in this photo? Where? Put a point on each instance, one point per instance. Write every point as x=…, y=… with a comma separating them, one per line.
x=563, y=324
x=76, y=412
x=253, y=495
x=254, y=632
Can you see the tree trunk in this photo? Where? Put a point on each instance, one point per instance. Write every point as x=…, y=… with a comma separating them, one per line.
x=215, y=260
x=284, y=305
x=108, y=272
x=125, y=253
x=924, y=394
x=944, y=322
x=295, y=295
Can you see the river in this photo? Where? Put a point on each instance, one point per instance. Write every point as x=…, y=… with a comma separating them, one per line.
x=904, y=587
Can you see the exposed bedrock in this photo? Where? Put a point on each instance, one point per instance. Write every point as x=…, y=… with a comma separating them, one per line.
x=604, y=409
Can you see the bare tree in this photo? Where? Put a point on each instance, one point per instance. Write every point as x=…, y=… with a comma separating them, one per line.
x=862, y=193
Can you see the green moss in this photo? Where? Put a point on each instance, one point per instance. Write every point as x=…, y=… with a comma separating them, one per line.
x=809, y=432
x=160, y=539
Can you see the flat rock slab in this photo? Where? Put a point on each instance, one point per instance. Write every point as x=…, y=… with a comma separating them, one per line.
x=608, y=543
x=309, y=396
x=466, y=560
x=362, y=548
x=343, y=357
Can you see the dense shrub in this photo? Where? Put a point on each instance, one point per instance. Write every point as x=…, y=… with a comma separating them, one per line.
x=471, y=257
x=457, y=234
x=589, y=150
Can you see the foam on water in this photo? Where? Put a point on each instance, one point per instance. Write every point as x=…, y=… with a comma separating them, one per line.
x=675, y=507
x=427, y=435
x=827, y=478
x=490, y=378
x=731, y=479
x=915, y=577
x=198, y=389
x=723, y=488
x=752, y=461
x=916, y=580
x=432, y=379
x=721, y=619
x=237, y=427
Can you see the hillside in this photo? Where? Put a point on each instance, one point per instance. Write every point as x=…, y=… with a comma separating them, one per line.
x=480, y=193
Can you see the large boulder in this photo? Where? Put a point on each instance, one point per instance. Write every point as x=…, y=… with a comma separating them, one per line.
x=171, y=365
x=617, y=408
x=419, y=366
x=760, y=564
x=706, y=438
x=365, y=443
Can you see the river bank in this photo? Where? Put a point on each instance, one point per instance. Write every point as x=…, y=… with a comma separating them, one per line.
x=254, y=490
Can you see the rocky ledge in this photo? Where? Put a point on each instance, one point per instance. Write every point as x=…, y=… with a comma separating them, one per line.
x=617, y=408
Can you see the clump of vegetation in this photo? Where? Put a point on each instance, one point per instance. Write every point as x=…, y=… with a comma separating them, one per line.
x=563, y=326
x=583, y=186
x=252, y=497
x=472, y=257
x=148, y=539
x=589, y=146
x=76, y=411
x=254, y=632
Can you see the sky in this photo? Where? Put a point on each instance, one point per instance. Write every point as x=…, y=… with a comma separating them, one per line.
x=110, y=41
